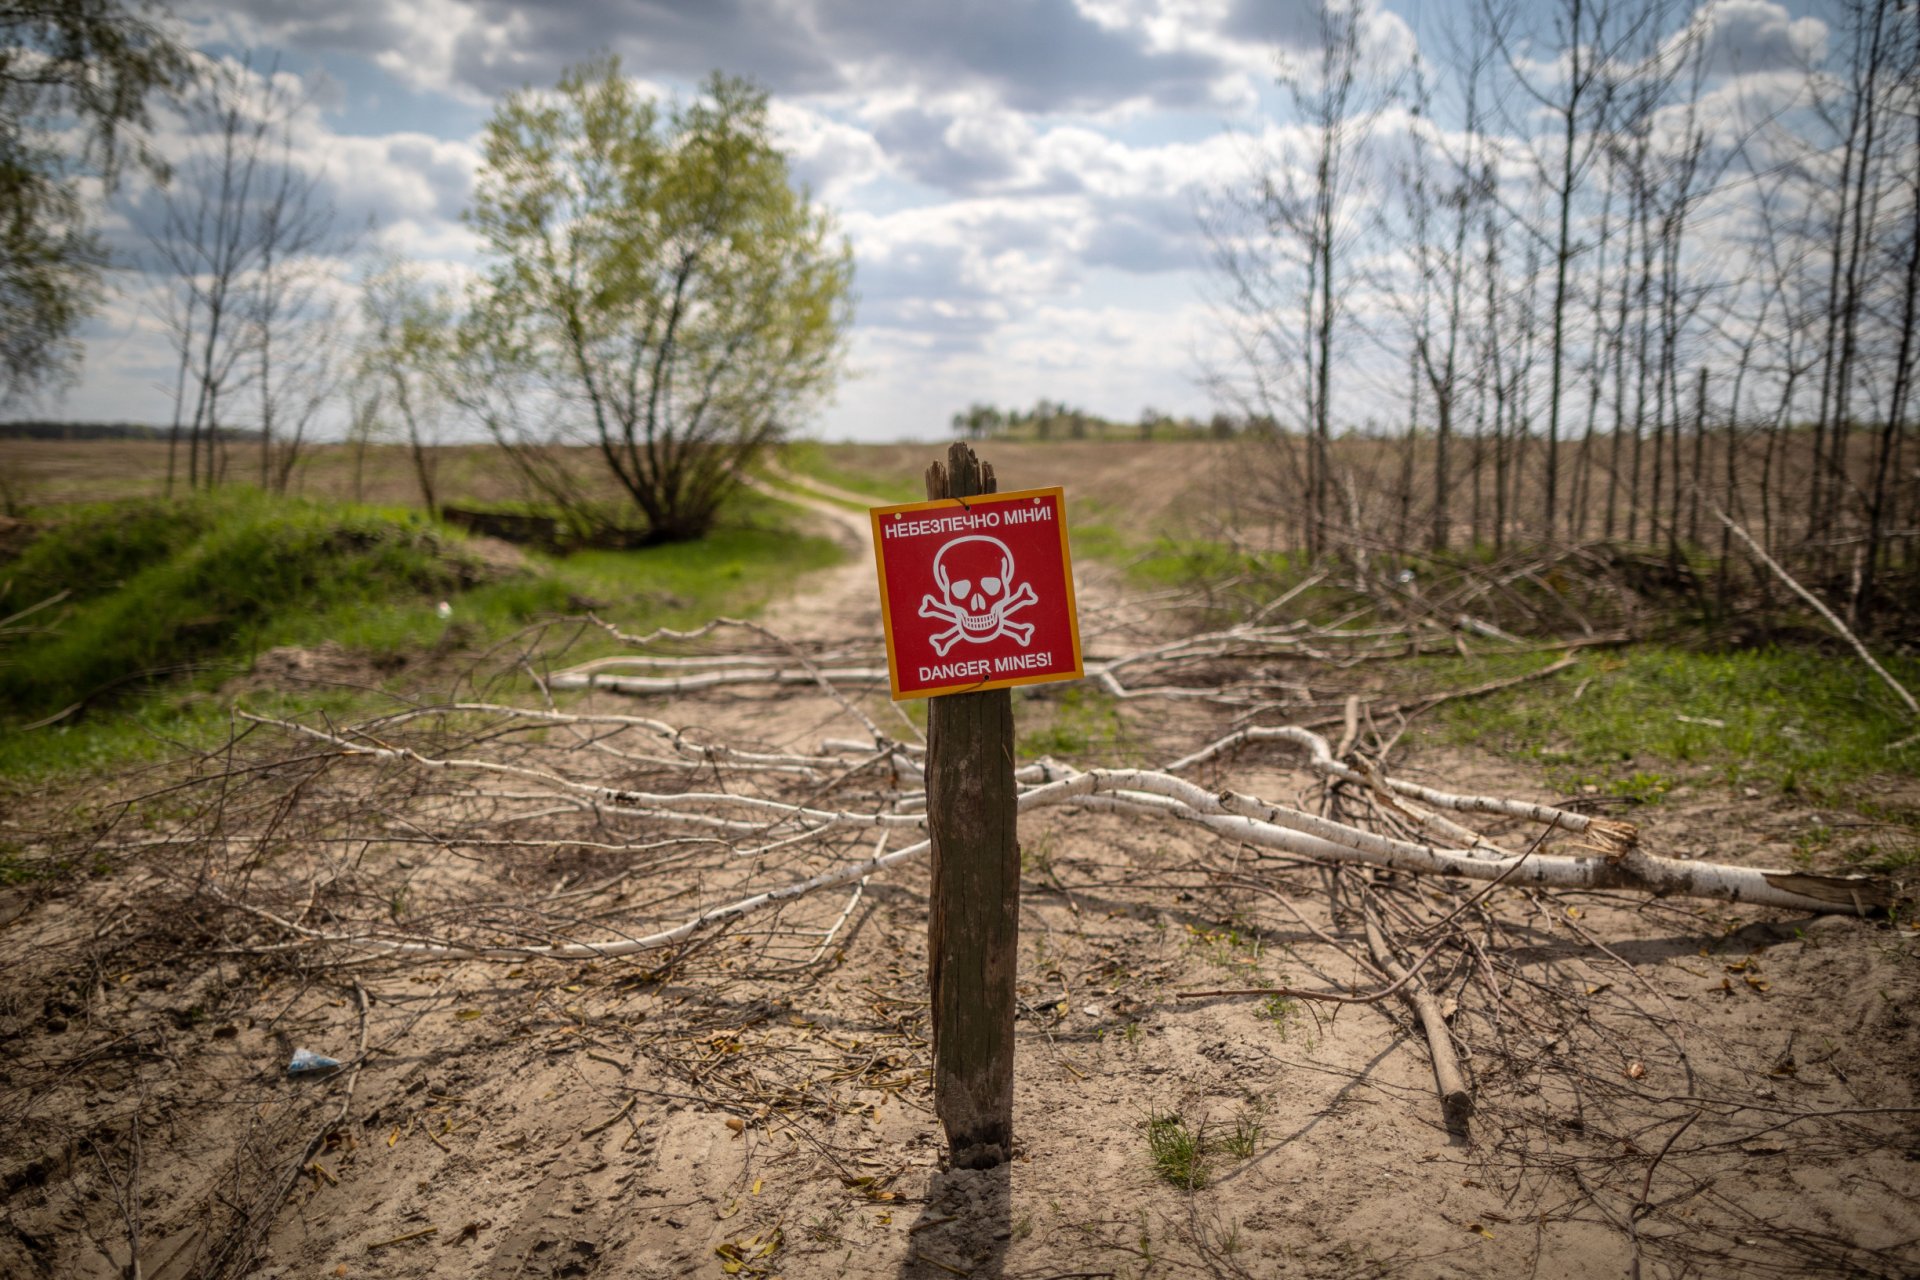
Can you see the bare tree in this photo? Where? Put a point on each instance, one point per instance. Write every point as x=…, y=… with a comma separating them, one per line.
x=363, y=425
x=1679, y=254
x=1901, y=261
x=296, y=321
x=239, y=245
x=1444, y=195
x=407, y=336
x=1286, y=270
x=1574, y=91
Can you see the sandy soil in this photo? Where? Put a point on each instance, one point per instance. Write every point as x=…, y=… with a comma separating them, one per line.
x=1689, y=1090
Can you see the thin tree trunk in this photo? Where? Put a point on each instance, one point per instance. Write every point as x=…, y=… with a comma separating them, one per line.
x=1699, y=476
x=1563, y=253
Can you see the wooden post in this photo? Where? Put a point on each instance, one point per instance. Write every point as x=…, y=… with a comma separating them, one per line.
x=973, y=924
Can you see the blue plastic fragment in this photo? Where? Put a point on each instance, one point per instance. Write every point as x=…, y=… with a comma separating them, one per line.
x=306, y=1060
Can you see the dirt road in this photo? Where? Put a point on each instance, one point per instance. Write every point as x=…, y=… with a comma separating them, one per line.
x=1693, y=1091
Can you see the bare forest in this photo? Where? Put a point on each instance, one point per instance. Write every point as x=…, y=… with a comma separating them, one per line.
x=1619, y=306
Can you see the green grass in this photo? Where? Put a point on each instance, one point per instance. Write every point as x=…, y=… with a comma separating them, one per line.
x=1183, y=1154
x=1153, y=561
x=1885, y=859
x=170, y=600
x=152, y=602
x=1228, y=947
x=1806, y=724
x=1178, y=1151
x=97, y=547
x=1244, y=1138
x=150, y=728
x=1076, y=720
x=1095, y=531
x=1282, y=1012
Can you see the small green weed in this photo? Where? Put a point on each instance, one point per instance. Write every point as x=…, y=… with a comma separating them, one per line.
x=1179, y=1152
x=1641, y=787
x=1281, y=1011
x=1888, y=861
x=1036, y=856
x=1183, y=1154
x=15, y=868
x=1079, y=722
x=1816, y=839
x=1244, y=1139
x=1228, y=948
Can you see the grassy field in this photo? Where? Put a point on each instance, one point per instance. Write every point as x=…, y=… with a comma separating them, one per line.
x=1642, y=722
x=1131, y=504
x=368, y=575
x=41, y=473
x=167, y=602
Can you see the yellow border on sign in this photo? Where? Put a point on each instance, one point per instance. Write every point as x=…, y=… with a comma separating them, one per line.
x=1059, y=496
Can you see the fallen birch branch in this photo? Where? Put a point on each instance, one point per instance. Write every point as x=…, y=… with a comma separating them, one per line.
x=642, y=674
x=1608, y=855
x=1819, y=607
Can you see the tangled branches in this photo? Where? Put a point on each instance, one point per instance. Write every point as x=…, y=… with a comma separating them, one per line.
x=686, y=825
x=749, y=858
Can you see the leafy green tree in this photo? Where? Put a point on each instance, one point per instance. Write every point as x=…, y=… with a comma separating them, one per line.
x=667, y=292
x=67, y=68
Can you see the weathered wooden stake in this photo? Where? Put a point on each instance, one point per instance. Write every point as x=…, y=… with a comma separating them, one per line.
x=973, y=927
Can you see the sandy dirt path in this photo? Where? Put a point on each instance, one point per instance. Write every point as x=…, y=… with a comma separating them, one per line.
x=1710, y=1091
x=839, y=602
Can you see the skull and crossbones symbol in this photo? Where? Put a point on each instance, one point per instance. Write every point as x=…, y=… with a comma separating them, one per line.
x=975, y=574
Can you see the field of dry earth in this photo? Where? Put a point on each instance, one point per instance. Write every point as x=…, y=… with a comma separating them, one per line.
x=1662, y=1088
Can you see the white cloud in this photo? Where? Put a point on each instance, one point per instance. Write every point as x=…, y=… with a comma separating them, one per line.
x=1019, y=181
x=833, y=158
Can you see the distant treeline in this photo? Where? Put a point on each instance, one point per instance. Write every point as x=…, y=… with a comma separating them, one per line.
x=44, y=430
x=1053, y=420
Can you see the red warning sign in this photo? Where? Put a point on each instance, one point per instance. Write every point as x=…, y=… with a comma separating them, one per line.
x=977, y=593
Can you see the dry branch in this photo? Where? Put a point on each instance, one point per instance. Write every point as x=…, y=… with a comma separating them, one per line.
x=1819, y=607
x=786, y=840
x=1456, y=1102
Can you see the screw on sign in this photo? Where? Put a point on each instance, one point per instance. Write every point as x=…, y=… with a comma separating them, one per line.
x=977, y=593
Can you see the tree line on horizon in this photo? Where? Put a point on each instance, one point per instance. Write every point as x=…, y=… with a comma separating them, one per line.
x=1049, y=419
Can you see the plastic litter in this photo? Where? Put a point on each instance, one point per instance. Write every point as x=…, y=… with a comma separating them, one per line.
x=306, y=1061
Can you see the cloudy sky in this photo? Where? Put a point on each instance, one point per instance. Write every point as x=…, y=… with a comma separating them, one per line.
x=1020, y=179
